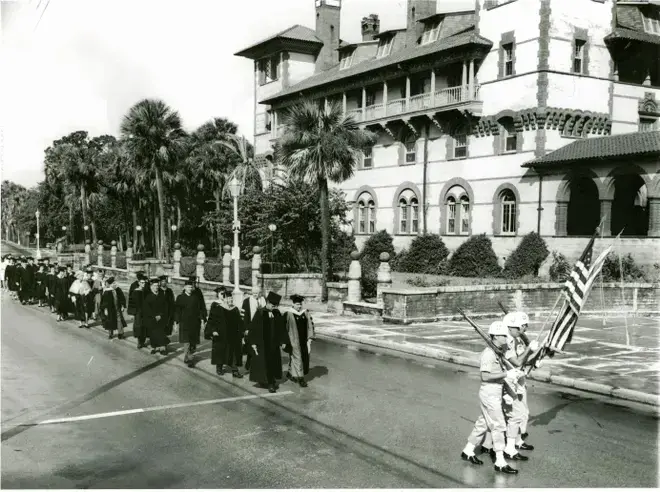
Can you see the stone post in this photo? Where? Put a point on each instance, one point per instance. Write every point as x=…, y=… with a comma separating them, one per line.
x=354, y=278
x=256, y=268
x=654, y=216
x=176, y=260
x=113, y=254
x=201, y=258
x=60, y=246
x=99, y=260
x=226, y=265
x=88, y=252
x=384, y=277
x=606, y=211
x=562, y=218
x=129, y=252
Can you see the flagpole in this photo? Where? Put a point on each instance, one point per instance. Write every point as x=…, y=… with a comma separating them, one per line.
x=602, y=295
x=623, y=296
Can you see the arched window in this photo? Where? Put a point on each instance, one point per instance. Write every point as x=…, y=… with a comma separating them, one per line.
x=457, y=202
x=465, y=214
x=508, y=212
x=408, y=212
x=366, y=214
x=451, y=215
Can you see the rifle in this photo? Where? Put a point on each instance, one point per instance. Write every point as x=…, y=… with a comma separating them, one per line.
x=510, y=389
x=523, y=336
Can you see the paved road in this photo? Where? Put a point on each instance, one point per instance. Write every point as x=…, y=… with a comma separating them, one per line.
x=364, y=421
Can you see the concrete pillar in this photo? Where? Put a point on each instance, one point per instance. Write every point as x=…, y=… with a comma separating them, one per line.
x=354, y=278
x=384, y=278
x=471, y=81
x=201, y=258
x=464, y=80
x=562, y=218
x=99, y=250
x=88, y=252
x=364, y=103
x=226, y=265
x=129, y=252
x=606, y=211
x=256, y=268
x=654, y=216
x=343, y=102
x=407, y=92
x=385, y=98
x=113, y=254
x=433, y=87
x=176, y=260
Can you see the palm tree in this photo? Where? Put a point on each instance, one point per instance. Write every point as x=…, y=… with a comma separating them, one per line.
x=321, y=145
x=247, y=171
x=155, y=140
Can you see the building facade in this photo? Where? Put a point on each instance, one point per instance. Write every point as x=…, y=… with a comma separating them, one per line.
x=514, y=116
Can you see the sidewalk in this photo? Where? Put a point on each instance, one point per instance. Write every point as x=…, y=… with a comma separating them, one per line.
x=597, y=359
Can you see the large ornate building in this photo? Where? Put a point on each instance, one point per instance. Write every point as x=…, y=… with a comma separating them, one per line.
x=514, y=116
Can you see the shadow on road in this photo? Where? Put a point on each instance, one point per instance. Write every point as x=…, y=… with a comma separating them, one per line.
x=317, y=372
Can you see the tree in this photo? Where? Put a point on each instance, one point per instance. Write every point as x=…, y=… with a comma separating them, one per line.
x=155, y=141
x=322, y=145
x=247, y=170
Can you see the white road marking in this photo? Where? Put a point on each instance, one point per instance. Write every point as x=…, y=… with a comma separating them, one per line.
x=90, y=360
x=161, y=407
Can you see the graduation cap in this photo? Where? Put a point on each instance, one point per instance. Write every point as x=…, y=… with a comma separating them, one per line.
x=61, y=269
x=69, y=265
x=23, y=259
x=219, y=289
x=295, y=298
x=188, y=282
x=110, y=280
x=154, y=280
x=274, y=298
x=192, y=279
x=162, y=277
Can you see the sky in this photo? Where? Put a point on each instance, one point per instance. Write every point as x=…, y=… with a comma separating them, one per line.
x=88, y=61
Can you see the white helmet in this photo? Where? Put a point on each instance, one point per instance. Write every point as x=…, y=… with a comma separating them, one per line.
x=511, y=320
x=498, y=328
x=523, y=319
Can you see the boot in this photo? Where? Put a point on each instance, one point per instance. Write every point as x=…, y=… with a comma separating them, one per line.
x=219, y=370
x=110, y=335
x=302, y=382
x=236, y=374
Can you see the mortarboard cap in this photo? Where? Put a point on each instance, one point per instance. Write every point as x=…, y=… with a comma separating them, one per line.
x=188, y=282
x=274, y=298
x=219, y=289
x=297, y=298
x=154, y=280
x=110, y=280
x=162, y=277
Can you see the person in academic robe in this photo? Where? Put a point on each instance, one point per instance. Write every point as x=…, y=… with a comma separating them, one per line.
x=267, y=337
x=40, y=285
x=78, y=293
x=98, y=285
x=26, y=282
x=90, y=296
x=154, y=312
x=113, y=303
x=300, y=329
x=169, y=298
x=135, y=304
x=227, y=334
x=61, y=295
x=250, y=305
x=51, y=280
x=13, y=275
x=134, y=285
x=188, y=313
x=33, y=286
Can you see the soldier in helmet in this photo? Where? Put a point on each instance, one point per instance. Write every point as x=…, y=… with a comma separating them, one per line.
x=491, y=419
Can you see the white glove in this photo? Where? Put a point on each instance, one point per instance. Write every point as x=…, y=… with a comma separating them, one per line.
x=508, y=400
x=534, y=345
x=512, y=374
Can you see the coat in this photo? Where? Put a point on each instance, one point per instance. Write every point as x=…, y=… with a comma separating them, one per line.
x=227, y=346
x=61, y=296
x=189, y=312
x=135, y=305
x=169, y=299
x=111, y=312
x=297, y=348
x=155, y=305
x=131, y=289
x=267, y=332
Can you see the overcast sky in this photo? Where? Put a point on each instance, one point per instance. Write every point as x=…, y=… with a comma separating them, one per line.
x=88, y=61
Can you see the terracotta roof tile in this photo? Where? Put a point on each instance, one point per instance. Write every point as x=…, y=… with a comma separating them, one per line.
x=297, y=32
x=623, y=33
x=624, y=145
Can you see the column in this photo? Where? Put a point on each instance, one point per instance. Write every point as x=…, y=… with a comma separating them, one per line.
x=201, y=258
x=176, y=260
x=384, y=277
x=471, y=81
x=463, y=80
x=407, y=92
x=364, y=103
x=99, y=259
x=354, y=278
x=88, y=252
x=113, y=254
x=129, y=253
x=606, y=211
x=343, y=102
x=384, y=97
x=433, y=88
x=562, y=218
x=256, y=268
x=226, y=265
x=654, y=216
x=325, y=102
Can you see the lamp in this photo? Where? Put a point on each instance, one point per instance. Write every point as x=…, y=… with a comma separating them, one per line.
x=235, y=190
x=36, y=214
x=272, y=228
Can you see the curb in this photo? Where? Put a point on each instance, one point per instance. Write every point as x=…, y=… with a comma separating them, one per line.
x=541, y=376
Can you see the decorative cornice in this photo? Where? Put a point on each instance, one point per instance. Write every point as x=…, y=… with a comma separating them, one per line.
x=648, y=106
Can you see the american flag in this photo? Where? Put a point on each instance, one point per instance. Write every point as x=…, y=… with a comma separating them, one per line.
x=575, y=293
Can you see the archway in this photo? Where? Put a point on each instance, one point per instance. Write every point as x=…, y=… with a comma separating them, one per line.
x=583, y=207
x=630, y=206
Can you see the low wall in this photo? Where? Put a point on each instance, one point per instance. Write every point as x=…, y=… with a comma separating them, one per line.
x=307, y=285
x=337, y=294
x=431, y=304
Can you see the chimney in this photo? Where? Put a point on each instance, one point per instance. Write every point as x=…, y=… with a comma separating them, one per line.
x=370, y=27
x=327, y=30
x=416, y=10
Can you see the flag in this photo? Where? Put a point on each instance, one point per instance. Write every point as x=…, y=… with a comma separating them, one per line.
x=575, y=292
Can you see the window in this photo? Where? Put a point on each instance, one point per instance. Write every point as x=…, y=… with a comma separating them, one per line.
x=408, y=212
x=509, y=135
x=508, y=212
x=414, y=205
x=403, y=216
x=431, y=31
x=457, y=211
x=366, y=214
x=652, y=21
x=410, y=144
x=363, y=217
x=269, y=69
x=647, y=124
x=459, y=139
x=508, y=59
x=367, y=158
x=371, y=97
x=345, y=59
x=579, y=56
x=384, y=47
x=451, y=215
x=372, y=216
x=465, y=214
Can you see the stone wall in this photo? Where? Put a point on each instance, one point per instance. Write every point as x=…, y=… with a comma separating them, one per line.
x=287, y=284
x=337, y=294
x=420, y=305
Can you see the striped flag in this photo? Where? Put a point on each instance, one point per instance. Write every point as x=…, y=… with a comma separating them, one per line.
x=575, y=293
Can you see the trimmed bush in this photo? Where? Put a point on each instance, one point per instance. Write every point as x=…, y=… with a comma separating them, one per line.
x=427, y=254
x=381, y=242
x=342, y=246
x=612, y=269
x=527, y=258
x=475, y=258
x=420, y=281
x=369, y=284
x=560, y=268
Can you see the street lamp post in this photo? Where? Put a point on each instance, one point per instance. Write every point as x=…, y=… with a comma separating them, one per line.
x=138, y=229
x=36, y=214
x=64, y=232
x=86, y=228
x=235, y=189
x=174, y=228
x=272, y=228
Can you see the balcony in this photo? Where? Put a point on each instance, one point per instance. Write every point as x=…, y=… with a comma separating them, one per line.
x=444, y=99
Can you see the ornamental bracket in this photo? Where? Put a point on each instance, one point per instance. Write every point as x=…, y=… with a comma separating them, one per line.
x=383, y=125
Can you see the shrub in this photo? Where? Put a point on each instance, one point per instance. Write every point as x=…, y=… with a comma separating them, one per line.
x=475, y=258
x=381, y=242
x=612, y=269
x=527, y=258
x=420, y=281
x=560, y=268
x=369, y=284
x=427, y=254
x=342, y=246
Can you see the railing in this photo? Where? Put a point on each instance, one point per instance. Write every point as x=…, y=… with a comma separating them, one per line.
x=374, y=112
x=260, y=124
x=396, y=106
x=355, y=113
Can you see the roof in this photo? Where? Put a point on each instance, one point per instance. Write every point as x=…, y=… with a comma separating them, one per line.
x=623, y=33
x=438, y=15
x=608, y=147
x=388, y=32
x=296, y=33
x=334, y=74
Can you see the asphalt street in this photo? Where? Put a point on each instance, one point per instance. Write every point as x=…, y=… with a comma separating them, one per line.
x=365, y=421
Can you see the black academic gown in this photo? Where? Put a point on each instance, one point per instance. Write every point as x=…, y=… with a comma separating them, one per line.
x=51, y=281
x=267, y=332
x=27, y=283
x=189, y=312
x=61, y=296
x=40, y=285
x=226, y=348
x=200, y=295
x=154, y=305
x=135, y=303
x=130, y=308
x=169, y=299
x=110, y=311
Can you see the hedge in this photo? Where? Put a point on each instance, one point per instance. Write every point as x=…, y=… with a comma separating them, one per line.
x=527, y=258
x=378, y=243
x=475, y=258
x=427, y=254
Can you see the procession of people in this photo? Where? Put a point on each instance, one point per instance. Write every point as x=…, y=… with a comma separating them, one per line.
x=259, y=330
